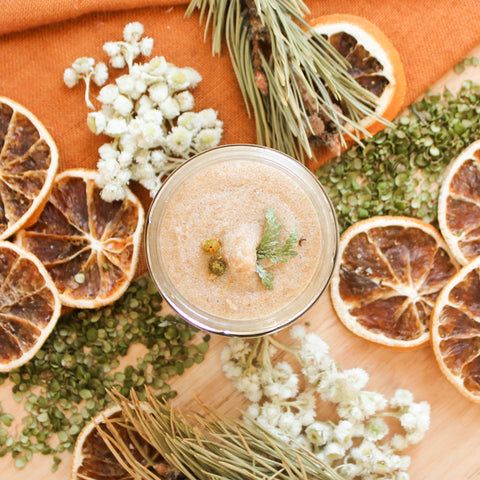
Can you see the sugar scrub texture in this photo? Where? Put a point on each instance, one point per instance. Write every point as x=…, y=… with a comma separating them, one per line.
x=228, y=201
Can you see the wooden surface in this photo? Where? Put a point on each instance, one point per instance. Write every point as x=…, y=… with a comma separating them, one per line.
x=450, y=449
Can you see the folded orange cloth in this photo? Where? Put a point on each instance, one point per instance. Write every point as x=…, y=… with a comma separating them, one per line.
x=43, y=37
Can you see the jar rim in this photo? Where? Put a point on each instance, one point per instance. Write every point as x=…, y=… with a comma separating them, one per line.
x=285, y=315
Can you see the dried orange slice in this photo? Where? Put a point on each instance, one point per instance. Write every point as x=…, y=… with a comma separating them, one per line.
x=93, y=459
x=389, y=273
x=455, y=330
x=89, y=246
x=459, y=205
x=28, y=164
x=374, y=63
x=29, y=306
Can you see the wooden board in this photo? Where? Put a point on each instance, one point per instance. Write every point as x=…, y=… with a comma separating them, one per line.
x=450, y=449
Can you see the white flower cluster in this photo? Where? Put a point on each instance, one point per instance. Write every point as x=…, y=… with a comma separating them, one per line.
x=357, y=443
x=85, y=68
x=148, y=114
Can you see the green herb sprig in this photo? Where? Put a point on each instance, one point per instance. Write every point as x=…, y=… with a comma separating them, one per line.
x=269, y=247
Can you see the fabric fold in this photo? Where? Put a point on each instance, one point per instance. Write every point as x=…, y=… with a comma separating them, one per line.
x=22, y=15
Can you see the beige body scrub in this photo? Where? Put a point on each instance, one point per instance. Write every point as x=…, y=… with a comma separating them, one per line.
x=239, y=239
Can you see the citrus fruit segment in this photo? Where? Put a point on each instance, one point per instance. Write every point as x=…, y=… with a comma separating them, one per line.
x=459, y=205
x=89, y=246
x=389, y=273
x=28, y=164
x=93, y=459
x=373, y=62
x=455, y=330
x=29, y=306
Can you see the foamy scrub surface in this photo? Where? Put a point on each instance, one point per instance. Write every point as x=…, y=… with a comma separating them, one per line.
x=228, y=201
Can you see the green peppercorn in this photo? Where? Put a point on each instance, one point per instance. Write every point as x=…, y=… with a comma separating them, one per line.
x=211, y=246
x=217, y=266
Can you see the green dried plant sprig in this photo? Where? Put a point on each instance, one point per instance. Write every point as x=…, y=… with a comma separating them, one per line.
x=289, y=75
x=208, y=445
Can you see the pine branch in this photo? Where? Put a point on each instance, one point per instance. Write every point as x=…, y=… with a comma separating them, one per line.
x=291, y=78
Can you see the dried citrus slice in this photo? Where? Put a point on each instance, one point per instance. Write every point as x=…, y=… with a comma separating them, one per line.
x=29, y=306
x=89, y=246
x=389, y=273
x=93, y=459
x=374, y=63
x=28, y=164
x=459, y=205
x=455, y=330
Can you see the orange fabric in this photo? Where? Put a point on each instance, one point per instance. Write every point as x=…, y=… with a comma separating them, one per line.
x=40, y=38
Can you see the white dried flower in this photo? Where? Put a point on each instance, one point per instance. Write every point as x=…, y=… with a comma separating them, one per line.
x=319, y=433
x=146, y=46
x=298, y=332
x=152, y=135
x=207, y=118
x=179, y=140
x=207, y=138
x=343, y=433
x=169, y=108
x=158, y=92
x=333, y=451
x=157, y=66
x=113, y=191
x=177, y=79
x=118, y=61
x=356, y=445
x=108, y=94
x=140, y=112
x=190, y=121
x=349, y=471
x=271, y=412
x=402, y=398
x=133, y=32
x=143, y=171
x=376, y=429
x=143, y=105
x=125, y=159
x=158, y=160
x=185, y=101
x=100, y=74
x=250, y=387
x=108, y=151
x=83, y=65
x=399, y=442
x=96, y=122
x=153, y=115
x=289, y=424
x=123, y=105
x=70, y=77
x=126, y=84
x=116, y=127
x=111, y=48
x=193, y=77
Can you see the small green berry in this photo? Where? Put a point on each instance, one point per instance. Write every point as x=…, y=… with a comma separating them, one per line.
x=217, y=266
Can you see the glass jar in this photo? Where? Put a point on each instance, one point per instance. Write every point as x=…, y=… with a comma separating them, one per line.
x=265, y=167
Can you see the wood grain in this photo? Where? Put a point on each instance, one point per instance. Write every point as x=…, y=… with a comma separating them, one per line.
x=450, y=449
